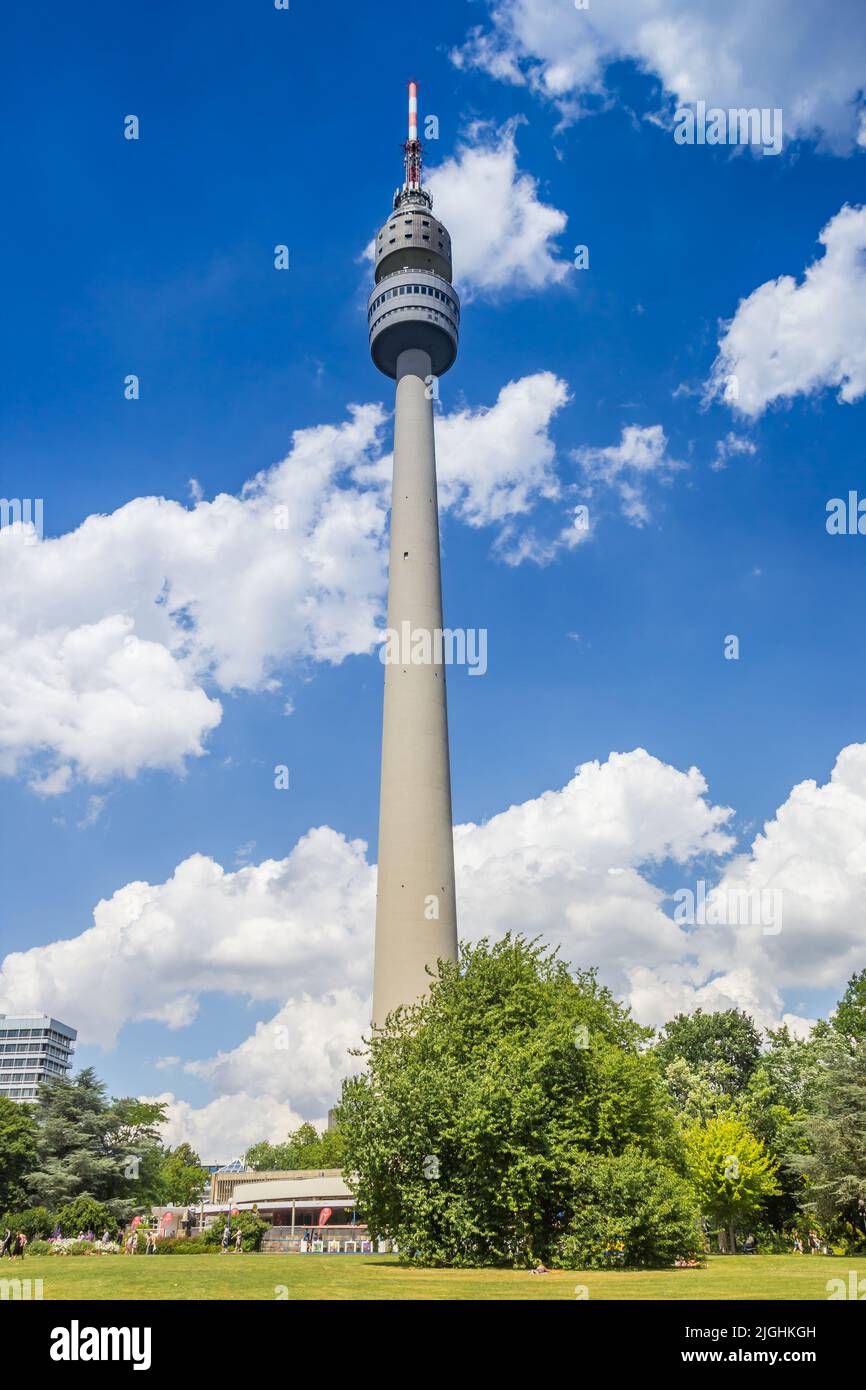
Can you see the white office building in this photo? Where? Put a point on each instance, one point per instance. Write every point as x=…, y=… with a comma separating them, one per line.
x=33, y=1047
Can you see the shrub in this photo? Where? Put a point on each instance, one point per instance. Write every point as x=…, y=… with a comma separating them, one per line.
x=631, y=1210
x=39, y=1247
x=85, y=1214
x=35, y=1222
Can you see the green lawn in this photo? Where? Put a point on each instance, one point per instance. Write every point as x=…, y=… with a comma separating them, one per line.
x=340, y=1277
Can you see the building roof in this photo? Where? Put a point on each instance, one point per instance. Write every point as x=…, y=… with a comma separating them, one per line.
x=328, y=1188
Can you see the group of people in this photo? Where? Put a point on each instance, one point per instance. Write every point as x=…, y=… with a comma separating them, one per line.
x=130, y=1244
x=226, y=1241
x=817, y=1246
x=12, y=1245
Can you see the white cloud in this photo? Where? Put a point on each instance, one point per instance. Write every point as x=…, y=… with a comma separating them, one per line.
x=273, y=931
x=574, y=866
x=788, y=339
x=110, y=632
x=227, y=1127
x=116, y=637
x=504, y=234
x=813, y=852
x=799, y=58
x=303, y=1052
x=731, y=446
x=494, y=463
x=641, y=453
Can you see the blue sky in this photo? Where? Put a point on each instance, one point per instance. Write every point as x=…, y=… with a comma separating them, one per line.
x=156, y=257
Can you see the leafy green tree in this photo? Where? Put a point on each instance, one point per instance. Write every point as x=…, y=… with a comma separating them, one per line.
x=779, y=1096
x=834, y=1164
x=726, y=1046
x=476, y=1103
x=630, y=1210
x=88, y=1145
x=304, y=1148
x=695, y=1091
x=850, y=1016
x=731, y=1172
x=17, y=1151
x=182, y=1180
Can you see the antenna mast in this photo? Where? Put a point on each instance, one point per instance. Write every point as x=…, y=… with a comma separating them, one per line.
x=412, y=147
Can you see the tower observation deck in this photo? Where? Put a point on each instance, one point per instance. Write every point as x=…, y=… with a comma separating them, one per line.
x=413, y=320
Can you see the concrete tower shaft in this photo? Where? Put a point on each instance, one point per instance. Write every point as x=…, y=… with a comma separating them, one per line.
x=414, y=319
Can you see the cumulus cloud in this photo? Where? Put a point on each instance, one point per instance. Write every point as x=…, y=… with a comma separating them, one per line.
x=227, y=1127
x=576, y=866
x=303, y=1052
x=496, y=463
x=117, y=639
x=641, y=453
x=788, y=339
x=111, y=632
x=813, y=853
x=801, y=59
x=504, y=234
x=274, y=931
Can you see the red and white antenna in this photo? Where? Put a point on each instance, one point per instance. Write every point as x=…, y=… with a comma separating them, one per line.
x=412, y=148
x=413, y=111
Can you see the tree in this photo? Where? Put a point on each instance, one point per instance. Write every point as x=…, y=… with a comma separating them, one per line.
x=182, y=1180
x=694, y=1091
x=834, y=1165
x=850, y=1016
x=304, y=1148
x=87, y=1145
x=726, y=1045
x=730, y=1170
x=476, y=1103
x=630, y=1210
x=17, y=1151
x=780, y=1094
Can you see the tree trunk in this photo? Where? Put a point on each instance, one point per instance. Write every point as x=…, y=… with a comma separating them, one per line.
x=732, y=1239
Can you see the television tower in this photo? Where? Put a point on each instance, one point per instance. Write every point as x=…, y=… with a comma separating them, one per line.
x=413, y=316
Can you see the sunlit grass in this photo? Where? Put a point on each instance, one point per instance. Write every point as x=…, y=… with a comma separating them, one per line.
x=349, y=1277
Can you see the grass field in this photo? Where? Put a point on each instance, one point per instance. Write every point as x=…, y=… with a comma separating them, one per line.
x=351, y=1277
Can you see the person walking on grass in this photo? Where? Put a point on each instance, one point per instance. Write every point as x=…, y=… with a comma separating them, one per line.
x=226, y=1238
x=6, y=1245
x=239, y=1242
